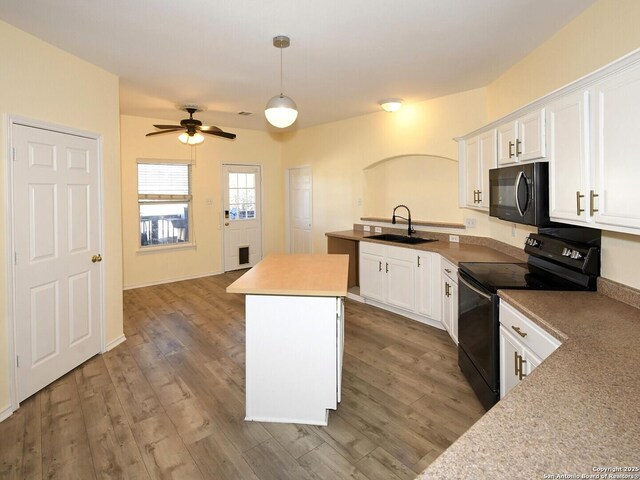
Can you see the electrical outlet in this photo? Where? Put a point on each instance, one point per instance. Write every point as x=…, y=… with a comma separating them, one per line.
x=470, y=222
x=513, y=229
x=454, y=238
x=377, y=229
x=366, y=228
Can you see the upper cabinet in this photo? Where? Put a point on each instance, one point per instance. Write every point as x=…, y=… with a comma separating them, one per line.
x=569, y=157
x=588, y=131
x=614, y=200
x=479, y=157
x=522, y=139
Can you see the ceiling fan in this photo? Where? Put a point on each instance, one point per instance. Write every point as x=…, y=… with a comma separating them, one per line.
x=192, y=128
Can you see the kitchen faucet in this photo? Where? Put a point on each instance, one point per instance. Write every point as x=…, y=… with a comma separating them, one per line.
x=410, y=230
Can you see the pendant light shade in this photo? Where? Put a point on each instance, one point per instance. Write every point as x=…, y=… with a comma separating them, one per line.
x=194, y=139
x=281, y=111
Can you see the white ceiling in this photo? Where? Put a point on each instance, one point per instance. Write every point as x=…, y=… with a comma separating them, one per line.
x=345, y=55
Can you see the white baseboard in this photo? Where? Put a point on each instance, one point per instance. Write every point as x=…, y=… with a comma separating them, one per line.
x=170, y=280
x=6, y=413
x=114, y=343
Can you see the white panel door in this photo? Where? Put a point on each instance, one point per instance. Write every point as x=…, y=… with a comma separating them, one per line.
x=531, y=144
x=300, y=211
x=56, y=234
x=242, y=216
x=472, y=162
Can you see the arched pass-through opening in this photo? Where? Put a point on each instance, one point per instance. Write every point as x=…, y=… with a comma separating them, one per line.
x=427, y=184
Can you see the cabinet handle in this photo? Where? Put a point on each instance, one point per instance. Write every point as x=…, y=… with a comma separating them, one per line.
x=418, y=261
x=518, y=151
x=592, y=196
x=379, y=266
x=511, y=149
x=479, y=196
x=518, y=367
x=446, y=289
x=447, y=270
x=475, y=196
x=387, y=267
x=518, y=331
x=578, y=209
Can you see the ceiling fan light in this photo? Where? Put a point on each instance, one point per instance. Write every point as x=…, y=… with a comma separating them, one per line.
x=391, y=104
x=194, y=139
x=281, y=111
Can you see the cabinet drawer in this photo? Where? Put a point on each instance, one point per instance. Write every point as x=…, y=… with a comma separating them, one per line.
x=450, y=270
x=372, y=248
x=529, y=334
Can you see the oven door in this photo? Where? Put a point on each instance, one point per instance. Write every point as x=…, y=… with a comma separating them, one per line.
x=478, y=338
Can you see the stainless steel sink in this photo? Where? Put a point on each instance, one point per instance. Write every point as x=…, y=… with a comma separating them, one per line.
x=392, y=237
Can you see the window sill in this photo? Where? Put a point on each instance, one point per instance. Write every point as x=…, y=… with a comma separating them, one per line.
x=165, y=248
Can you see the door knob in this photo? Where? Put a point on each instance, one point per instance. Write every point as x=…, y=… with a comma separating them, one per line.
x=226, y=224
x=96, y=258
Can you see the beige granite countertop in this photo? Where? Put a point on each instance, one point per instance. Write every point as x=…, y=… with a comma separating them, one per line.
x=454, y=252
x=578, y=410
x=296, y=274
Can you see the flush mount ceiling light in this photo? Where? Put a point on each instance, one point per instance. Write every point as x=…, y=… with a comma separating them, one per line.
x=281, y=111
x=391, y=104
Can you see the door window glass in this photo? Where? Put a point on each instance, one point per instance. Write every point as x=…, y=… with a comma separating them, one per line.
x=242, y=196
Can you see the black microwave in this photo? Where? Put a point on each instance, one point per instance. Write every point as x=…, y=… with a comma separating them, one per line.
x=520, y=193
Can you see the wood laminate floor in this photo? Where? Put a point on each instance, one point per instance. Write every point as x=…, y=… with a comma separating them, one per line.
x=169, y=402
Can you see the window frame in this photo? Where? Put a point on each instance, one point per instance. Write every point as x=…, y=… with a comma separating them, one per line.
x=165, y=199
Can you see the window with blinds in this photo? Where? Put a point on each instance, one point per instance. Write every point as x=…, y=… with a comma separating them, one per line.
x=164, y=201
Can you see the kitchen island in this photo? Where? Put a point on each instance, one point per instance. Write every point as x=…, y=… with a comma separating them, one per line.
x=294, y=336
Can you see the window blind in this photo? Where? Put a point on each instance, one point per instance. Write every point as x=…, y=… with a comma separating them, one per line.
x=163, y=179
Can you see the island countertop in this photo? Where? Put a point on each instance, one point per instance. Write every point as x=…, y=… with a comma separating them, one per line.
x=314, y=275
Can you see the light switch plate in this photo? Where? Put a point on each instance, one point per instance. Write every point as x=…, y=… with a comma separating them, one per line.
x=454, y=238
x=378, y=229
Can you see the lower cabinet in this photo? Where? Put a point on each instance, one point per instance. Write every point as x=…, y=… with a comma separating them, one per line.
x=449, y=279
x=401, y=278
x=523, y=346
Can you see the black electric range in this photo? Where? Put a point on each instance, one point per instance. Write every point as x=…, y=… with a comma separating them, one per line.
x=554, y=263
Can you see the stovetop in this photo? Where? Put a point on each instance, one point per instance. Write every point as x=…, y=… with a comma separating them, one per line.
x=517, y=276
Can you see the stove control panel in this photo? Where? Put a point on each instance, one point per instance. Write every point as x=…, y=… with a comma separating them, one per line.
x=578, y=256
x=532, y=242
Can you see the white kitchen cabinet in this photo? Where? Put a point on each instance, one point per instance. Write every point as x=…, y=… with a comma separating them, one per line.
x=523, y=346
x=400, y=271
x=523, y=139
x=479, y=158
x=402, y=280
x=449, y=279
x=427, y=284
x=569, y=157
x=614, y=198
x=372, y=279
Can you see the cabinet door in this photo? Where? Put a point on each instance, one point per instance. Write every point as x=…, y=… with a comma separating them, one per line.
x=530, y=144
x=511, y=351
x=372, y=276
x=453, y=320
x=447, y=304
x=401, y=279
x=568, y=138
x=472, y=161
x=507, y=143
x=617, y=148
x=530, y=361
x=428, y=284
x=487, y=161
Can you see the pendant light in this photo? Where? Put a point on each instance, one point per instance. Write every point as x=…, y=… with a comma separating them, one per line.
x=281, y=111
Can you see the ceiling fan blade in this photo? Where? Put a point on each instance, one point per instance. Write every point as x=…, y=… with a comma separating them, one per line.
x=220, y=134
x=163, y=131
x=168, y=126
x=209, y=128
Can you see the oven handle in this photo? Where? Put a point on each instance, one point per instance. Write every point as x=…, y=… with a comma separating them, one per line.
x=479, y=292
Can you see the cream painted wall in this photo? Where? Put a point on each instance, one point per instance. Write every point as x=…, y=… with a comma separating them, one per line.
x=422, y=182
x=41, y=82
x=250, y=147
x=604, y=32
x=338, y=152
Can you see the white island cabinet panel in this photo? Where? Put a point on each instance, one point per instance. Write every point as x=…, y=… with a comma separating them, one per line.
x=294, y=351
